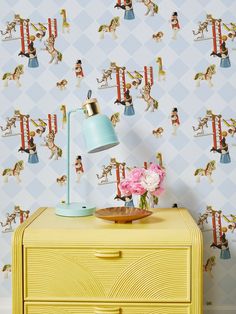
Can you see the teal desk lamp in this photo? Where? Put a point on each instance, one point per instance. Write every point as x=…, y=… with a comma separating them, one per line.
x=99, y=135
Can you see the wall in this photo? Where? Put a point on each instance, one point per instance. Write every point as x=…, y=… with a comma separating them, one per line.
x=182, y=154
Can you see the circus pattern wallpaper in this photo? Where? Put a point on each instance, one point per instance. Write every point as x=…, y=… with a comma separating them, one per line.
x=164, y=72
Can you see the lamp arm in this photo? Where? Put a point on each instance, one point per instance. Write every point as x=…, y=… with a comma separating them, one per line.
x=68, y=153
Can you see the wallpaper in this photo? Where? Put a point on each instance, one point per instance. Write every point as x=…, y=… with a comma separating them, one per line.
x=163, y=72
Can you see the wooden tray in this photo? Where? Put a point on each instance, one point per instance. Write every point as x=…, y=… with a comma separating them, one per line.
x=122, y=214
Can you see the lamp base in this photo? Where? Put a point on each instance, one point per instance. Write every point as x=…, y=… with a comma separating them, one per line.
x=75, y=209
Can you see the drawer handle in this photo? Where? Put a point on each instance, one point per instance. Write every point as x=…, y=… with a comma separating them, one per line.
x=108, y=254
x=106, y=310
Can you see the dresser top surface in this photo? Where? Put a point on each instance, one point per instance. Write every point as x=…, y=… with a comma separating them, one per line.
x=45, y=227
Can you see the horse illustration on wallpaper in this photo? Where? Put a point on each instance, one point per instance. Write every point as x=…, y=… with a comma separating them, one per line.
x=206, y=172
x=15, y=76
x=111, y=28
x=151, y=6
x=14, y=172
x=152, y=103
x=56, y=151
x=49, y=44
x=207, y=76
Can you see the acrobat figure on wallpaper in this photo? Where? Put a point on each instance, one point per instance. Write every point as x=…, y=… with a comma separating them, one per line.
x=31, y=55
x=127, y=102
x=224, y=150
x=223, y=246
x=223, y=54
x=128, y=8
x=31, y=150
x=41, y=126
x=136, y=78
x=175, y=24
x=40, y=30
x=79, y=72
x=128, y=199
x=231, y=221
x=175, y=120
x=79, y=169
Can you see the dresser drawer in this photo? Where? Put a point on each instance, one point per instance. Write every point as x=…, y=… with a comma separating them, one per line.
x=138, y=275
x=73, y=308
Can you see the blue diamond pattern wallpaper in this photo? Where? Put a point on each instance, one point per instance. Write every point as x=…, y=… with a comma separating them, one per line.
x=164, y=72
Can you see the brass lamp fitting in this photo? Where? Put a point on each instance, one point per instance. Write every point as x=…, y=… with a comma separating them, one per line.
x=91, y=107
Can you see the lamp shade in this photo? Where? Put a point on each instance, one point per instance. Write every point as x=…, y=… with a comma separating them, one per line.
x=99, y=133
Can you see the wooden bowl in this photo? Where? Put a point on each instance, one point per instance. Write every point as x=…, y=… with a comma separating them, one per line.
x=122, y=214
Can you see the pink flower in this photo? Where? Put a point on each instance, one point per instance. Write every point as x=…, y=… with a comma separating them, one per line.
x=136, y=174
x=137, y=188
x=158, y=191
x=157, y=169
x=125, y=187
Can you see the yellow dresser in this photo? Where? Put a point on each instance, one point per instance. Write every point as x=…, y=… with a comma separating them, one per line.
x=64, y=265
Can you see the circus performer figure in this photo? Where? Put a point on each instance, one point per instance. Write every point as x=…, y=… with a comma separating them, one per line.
x=31, y=150
x=175, y=24
x=224, y=54
x=32, y=54
x=223, y=246
x=224, y=150
x=79, y=169
x=128, y=199
x=41, y=126
x=128, y=8
x=79, y=72
x=175, y=120
x=40, y=30
x=136, y=78
x=127, y=102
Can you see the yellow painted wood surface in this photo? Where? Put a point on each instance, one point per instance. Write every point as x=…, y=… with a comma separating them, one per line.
x=84, y=274
x=75, y=308
x=157, y=259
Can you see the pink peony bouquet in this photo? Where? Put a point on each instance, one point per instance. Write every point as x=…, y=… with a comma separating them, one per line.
x=144, y=182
